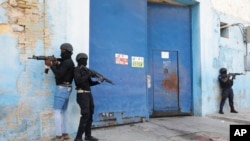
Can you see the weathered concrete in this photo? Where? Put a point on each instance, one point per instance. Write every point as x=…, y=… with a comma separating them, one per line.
x=213, y=127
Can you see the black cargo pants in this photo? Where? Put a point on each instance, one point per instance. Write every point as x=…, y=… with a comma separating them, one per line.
x=85, y=101
x=227, y=93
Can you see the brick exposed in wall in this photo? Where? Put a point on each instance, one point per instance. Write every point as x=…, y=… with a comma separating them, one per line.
x=4, y=28
x=26, y=18
x=27, y=24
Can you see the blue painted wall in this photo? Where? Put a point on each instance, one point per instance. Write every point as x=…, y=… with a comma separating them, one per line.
x=26, y=92
x=196, y=60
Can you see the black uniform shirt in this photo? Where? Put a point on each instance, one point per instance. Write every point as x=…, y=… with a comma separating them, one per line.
x=82, y=79
x=64, y=72
x=225, y=84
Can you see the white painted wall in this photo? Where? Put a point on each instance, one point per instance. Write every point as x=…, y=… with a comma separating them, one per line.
x=235, y=8
x=217, y=52
x=78, y=25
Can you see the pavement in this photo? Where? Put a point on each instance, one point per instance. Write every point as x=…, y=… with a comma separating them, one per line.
x=241, y=117
x=214, y=127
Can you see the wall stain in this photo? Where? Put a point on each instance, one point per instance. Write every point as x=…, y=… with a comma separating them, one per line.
x=170, y=82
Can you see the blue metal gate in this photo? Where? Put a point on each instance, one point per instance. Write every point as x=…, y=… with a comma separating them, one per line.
x=169, y=44
x=118, y=51
x=120, y=29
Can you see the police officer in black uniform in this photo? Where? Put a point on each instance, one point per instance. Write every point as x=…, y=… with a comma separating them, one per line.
x=83, y=81
x=226, y=83
x=63, y=71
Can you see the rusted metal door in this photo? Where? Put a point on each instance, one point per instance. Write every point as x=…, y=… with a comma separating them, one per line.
x=165, y=80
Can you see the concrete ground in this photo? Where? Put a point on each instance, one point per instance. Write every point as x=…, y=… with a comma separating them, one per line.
x=213, y=127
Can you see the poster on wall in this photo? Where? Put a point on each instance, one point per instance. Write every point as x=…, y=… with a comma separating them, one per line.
x=164, y=55
x=137, y=62
x=121, y=59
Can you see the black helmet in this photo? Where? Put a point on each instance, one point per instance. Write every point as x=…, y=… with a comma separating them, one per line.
x=81, y=55
x=223, y=70
x=67, y=46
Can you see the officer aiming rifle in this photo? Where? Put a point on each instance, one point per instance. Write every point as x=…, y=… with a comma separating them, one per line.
x=233, y=75
x=226, y=81
x=96, y=74
x=51, y=58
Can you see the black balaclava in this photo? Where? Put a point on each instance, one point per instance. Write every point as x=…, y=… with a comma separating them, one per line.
x=223, y=71
x=82, y=61
x=65, y=54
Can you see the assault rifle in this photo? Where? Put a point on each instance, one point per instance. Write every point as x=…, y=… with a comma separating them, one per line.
x=234, y=74
x=51, y=58
x=96, y=74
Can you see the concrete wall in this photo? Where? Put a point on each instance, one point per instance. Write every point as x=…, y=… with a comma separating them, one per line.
x=217, y=52
x=26, y=93
x=38, y=27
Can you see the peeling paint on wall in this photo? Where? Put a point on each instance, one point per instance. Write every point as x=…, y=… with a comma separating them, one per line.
x=29, y=27
x=5, y=29
x=223, y=52
x=27, y=20
x=239, y=8
x=19, y=36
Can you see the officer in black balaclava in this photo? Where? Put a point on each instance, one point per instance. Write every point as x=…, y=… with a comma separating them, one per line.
x=226, y=83
x=82, y=59
x=83, y=82
x=66, y=51
x=63, y=71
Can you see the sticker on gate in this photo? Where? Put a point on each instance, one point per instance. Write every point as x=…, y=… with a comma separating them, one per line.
x=121, y=59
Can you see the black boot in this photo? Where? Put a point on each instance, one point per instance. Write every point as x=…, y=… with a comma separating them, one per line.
x=234, y=111
x=221, y=112
x=77, y=139
x=90, y=138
